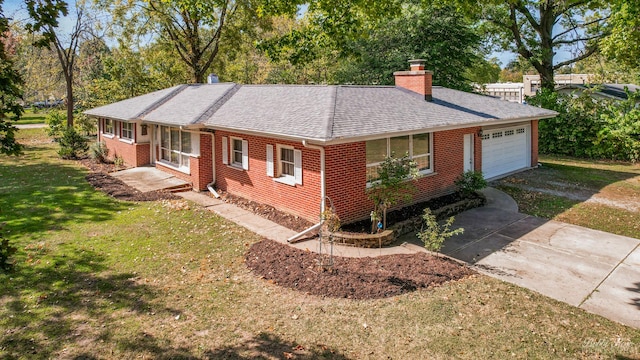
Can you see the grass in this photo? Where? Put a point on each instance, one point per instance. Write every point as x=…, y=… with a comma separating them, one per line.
x=99, y=278
x=31, y=116
x=602, y=195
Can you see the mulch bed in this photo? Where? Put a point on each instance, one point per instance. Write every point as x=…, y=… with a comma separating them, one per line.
x=352, y=278
x=102, y=181
x=289, y=221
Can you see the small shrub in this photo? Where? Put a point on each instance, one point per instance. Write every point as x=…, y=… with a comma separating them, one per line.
x=72, y=144
x=57, y=122
x=118, y=161
x=433, y=234
x=99, y=152
x=85, y=125
x=330, y=220
x=470, y=181
x=394, y=184
x=6, y=251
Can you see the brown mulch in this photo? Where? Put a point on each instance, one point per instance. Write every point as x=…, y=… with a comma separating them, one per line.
x=102, y=181
x=289, y=221
x=353, y=278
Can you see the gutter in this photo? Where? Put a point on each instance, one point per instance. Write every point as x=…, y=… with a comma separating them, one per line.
x=323, y=191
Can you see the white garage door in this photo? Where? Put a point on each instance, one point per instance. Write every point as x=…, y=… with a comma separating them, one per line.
x=505, y=150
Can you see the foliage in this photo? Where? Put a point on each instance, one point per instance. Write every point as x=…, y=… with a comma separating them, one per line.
x=623, y=44
x=433, y=234
x=85, y=125
x=57, y=123
x=588, y=127
x=44, y=15
x=118, y=161
x=470, y=182
x=6, y=251
x=538, y=30
x=394, y=184
x=330, y=220
x=99, y=151
x=439, y=34
x=72, y=144
x=10, y=93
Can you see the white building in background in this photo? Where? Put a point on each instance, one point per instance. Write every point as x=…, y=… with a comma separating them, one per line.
x=532, y=82
x=513, y=92
x=517, y=92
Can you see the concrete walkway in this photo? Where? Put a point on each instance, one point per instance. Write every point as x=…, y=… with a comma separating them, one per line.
x=279, y=233
x=593, y=270
x=148, y=178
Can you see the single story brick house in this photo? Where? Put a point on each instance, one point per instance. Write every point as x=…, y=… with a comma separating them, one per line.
x=289, y=146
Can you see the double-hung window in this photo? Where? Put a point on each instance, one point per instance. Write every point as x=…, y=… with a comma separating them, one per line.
x=175, y=146
x=108, y=126
x=417, y=146
x=127, y=131
x=288, y=164
x=235, y=152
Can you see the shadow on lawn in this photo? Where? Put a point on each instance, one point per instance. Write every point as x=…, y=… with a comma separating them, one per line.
x=268, y=346
x=37, y=195
x=63, y=302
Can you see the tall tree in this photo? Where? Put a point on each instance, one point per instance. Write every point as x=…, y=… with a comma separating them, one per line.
x=438, y=34
x=10, y=94
x=624, y=42
x=44, y=15
x=538, y=29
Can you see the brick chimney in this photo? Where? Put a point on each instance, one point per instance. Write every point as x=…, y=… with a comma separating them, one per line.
x=417, y=79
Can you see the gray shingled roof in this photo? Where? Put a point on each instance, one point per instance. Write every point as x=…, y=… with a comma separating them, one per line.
x=322, y=113
x=135, y=107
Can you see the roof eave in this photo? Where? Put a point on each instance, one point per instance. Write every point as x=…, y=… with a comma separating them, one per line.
x=490, y=122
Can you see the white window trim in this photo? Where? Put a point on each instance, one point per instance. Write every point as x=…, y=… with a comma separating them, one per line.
x=279, y=161
x=133, y=132
x=429, y=155
x=104, y=132
x=228, y=153
x=292, y=180
x=182, y=168
x=232, y=151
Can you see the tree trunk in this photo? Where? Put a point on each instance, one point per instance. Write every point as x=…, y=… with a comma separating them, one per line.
x=69, y=81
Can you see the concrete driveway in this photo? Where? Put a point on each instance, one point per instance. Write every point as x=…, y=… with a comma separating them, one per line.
x=590, y=269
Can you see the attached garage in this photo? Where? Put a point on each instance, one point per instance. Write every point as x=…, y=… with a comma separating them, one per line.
x=505, y=150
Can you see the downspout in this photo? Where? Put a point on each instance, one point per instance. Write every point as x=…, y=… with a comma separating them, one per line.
x=323, y=190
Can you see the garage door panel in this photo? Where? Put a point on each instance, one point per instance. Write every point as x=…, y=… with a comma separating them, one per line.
x=505, y=150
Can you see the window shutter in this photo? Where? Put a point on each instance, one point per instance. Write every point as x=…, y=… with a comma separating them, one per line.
x=270, y=160
x=245, y=154
x=225, y=150
x=297, y=163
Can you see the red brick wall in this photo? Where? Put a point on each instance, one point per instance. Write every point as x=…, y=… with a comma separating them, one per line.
x=419, y=83
x=132, y=154
x=254, y=184
x=346, y=172
x=534, y=143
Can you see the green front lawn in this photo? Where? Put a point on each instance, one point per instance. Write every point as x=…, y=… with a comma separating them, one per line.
x=99, y=278
x=32, y=117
